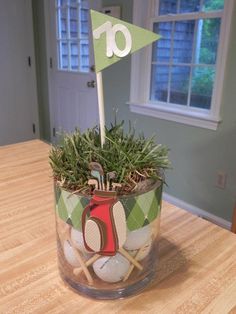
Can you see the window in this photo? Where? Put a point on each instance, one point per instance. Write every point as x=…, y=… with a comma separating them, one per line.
x=73, y=35
x=184, y=69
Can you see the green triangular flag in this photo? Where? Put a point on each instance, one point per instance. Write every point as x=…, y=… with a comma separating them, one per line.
x=113, y=39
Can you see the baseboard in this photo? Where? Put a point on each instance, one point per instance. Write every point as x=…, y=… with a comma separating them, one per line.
x=197, y=211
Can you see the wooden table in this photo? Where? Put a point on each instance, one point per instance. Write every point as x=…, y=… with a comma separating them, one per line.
x=196, y=273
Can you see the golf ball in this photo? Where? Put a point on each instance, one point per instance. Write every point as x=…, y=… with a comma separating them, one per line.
x=111, y=268
x=143, y=252
x=77, y=239
x=137, y=238
x=70, y=254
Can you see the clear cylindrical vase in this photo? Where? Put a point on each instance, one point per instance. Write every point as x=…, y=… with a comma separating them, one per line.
x=108, y=244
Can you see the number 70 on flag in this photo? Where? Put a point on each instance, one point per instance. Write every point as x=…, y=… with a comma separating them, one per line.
x=111, y=45
x=114, y=39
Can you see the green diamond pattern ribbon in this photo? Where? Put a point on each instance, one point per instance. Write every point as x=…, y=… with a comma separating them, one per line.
x=140, y=210
x=69, y=207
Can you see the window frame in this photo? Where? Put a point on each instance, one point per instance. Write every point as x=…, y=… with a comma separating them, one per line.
x=141, y=68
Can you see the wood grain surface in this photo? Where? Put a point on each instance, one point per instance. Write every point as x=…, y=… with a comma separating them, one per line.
x=196, y=272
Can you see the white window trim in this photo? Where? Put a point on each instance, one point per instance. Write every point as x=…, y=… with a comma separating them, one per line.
x=140, y=75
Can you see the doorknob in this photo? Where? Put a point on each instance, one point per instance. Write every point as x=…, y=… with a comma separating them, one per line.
x=91, y=84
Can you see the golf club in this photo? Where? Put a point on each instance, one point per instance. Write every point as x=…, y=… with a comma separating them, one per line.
x=97, y=177
x=97, y=172
x=109, y=177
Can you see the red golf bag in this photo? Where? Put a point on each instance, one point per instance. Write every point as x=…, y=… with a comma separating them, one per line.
x=104, y=223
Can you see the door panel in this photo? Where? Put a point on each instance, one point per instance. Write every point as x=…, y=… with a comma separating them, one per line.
x=18, y=102
x=70, y=115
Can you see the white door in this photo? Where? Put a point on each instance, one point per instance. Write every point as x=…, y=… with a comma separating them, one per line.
x=18, y=96
x=73, y=92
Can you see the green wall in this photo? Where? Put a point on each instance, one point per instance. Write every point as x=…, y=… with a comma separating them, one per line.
x=197, y=154
x=41, y=68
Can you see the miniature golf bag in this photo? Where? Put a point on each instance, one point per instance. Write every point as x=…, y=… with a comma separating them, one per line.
x=104, y=224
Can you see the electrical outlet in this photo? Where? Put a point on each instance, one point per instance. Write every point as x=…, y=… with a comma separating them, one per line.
x=221, y=179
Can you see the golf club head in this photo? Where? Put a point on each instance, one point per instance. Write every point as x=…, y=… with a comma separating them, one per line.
x=112, y=175
x=109, y=177
x=96, y=166
x=93, y=182
x=97, y=176
x=97, y=172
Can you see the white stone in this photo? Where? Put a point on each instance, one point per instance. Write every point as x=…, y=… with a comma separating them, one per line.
x=111, y=268
x=137, y=238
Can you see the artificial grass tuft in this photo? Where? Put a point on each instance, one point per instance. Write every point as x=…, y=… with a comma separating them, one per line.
x=133, y=158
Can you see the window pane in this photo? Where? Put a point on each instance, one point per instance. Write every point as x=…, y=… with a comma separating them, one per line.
x=161, y=48
x=179, y=85
x=84, y=22
x=74, y=53
x=61, y=2
x=84, y=15
x=212, y=5
x=159, y=83
x=84, y=4
x=207, y=41
x=73, y=2
x=73, y=29
x=63, y=55
x=189, y=6
x=62, y=23
x=183, y=41
x=73, y=23
x=73, y=14
x=202, y=85
x=84, y=55
x=167, y=6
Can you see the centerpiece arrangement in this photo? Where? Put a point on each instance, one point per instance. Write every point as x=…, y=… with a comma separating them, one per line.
x=108, y=188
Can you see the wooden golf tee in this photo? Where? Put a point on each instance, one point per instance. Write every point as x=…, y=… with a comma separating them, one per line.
x=101, y=107
x=132, y=266
x=130, y=258
x=129, y=272
x=89, y=262
x=83, y=266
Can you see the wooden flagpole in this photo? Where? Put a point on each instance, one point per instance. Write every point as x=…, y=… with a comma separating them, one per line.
x=101, y=107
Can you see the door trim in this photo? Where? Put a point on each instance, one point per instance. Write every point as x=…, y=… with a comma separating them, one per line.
x=33, y=91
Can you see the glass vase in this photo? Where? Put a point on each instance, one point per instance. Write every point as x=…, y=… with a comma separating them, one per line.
x=108, y=244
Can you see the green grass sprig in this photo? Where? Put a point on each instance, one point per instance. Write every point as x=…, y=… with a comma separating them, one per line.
x=134, y=158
